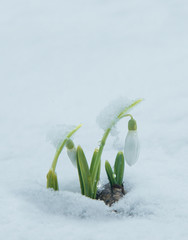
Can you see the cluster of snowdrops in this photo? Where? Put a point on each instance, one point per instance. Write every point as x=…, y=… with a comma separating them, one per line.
x=89, y=176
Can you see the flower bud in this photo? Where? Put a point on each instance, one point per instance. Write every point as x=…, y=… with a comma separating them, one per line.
x=69, y=144
x=132, y=147
x=71, y=152
x=132, y=124
x=52, y=180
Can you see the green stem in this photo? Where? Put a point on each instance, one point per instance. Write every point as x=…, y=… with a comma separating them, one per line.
x=103, y=141
x=126, y=115
x=98, y=158
x=54, y=163
x=129, y=107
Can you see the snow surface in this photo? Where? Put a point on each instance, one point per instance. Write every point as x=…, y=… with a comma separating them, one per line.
x=62, y=62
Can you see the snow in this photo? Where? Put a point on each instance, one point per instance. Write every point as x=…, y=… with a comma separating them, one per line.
x=61, y=63
x=58, y=133
x=110, y=113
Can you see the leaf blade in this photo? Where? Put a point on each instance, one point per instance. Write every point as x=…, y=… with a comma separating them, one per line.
x=119, y=168
x=109, y=173
x=84, y=172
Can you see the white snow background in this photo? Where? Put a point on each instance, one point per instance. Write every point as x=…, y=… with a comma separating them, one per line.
x=62, y=62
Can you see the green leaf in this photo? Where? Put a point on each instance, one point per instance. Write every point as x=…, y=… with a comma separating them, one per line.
x=84, y=172
x=119, y=168
x=93, y=161
x=96, y=181
x=110, y=173
x=80, y=176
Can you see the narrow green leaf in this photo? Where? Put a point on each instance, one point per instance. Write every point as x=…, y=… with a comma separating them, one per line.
x=109, y=173
x=93, y=161
x=96, y=182
x=80, y=176
x=84, y=171
x=119, y=168
x=90, y=194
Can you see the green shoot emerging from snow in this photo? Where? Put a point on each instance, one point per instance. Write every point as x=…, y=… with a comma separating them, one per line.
x=121, y=115
x=51, y=176
x=89, y=175
x=116, y=177
x=88, y=182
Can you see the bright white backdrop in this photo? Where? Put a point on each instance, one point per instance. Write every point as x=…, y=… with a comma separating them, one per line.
x=62, y=62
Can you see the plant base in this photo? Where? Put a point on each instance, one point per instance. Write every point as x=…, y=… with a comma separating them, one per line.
x=110, y=195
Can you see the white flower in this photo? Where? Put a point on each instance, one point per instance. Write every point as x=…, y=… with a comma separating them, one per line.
x=132, y=146
x=72, y=156
x=71, y=152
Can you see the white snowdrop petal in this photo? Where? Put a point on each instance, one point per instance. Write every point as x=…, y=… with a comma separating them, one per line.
x=72, y=156
x=132, y=148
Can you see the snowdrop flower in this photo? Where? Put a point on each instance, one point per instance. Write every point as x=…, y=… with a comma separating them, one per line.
x=52, y=180
x=131, y=149
x=71, y=152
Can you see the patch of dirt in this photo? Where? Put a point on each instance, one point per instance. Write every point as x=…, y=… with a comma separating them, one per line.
x=110, y=195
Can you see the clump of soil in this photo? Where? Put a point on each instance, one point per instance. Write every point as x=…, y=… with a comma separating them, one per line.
x=110, y=194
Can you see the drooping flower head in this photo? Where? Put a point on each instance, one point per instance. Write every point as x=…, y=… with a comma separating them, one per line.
x=71, y=152
x=132, y=146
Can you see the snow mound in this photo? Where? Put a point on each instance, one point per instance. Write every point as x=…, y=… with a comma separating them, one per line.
x=67, y=204
x=75, y=205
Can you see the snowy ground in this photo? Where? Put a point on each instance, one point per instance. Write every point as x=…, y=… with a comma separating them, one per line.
x=62, y=62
